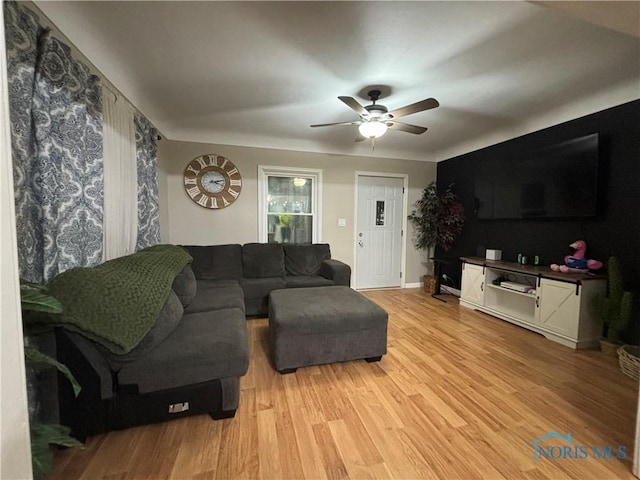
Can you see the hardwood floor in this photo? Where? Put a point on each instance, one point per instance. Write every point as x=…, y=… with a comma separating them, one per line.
x=460, y=394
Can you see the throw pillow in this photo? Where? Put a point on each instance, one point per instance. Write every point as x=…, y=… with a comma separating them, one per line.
x=305, y=259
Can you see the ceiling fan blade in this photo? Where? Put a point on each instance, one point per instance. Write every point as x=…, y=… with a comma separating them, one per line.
x=354, y=105
x=338, y=123
x=427, y=104
x=405, y=127
x=360, y=138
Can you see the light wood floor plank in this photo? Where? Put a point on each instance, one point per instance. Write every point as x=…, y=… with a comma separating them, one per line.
x=331, y=458
x=194, y=456
x=238, y=457
x=349, y=450
x=269, y=454
x=156, y=451
x=401, y=458
x=459, y=394
x=310, y=454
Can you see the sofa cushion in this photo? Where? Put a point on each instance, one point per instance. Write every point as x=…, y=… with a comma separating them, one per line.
x=185, y=285
x=216, y=295
x=261, y=287
x=304, y=281
x=216, y=262
x=305, y=259
x=207, y=346
x=256, y=293
x=168, y=320
x=263, y=260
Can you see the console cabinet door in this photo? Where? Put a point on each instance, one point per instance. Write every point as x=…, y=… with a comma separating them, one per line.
x=472, y=289
x=558, y=307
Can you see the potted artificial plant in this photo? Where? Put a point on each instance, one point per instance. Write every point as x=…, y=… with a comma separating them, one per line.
x=438, y=218
x=614, y=309
x=36, y=298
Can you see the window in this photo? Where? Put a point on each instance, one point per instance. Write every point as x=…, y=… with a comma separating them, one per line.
x=289, y=203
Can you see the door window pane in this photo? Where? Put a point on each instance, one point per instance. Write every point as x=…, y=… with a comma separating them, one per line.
x=380, y=213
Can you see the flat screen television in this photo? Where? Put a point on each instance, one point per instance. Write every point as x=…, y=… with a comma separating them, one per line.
x=560, y=181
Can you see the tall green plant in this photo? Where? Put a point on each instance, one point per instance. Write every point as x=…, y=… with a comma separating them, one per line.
x=35, y=298
x=614, y=308
x=438, y=218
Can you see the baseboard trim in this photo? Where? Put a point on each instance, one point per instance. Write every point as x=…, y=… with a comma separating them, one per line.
x=413, y=285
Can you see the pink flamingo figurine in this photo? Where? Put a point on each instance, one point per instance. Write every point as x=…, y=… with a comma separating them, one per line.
x=576, y=263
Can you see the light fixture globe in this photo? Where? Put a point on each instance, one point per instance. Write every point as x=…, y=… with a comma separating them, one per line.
x=373, y=129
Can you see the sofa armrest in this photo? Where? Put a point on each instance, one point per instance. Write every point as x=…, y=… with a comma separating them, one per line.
x=337, y=271
x=85, y=362
x=87, y=414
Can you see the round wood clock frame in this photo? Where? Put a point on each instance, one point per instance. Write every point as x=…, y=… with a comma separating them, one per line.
x=212, y=181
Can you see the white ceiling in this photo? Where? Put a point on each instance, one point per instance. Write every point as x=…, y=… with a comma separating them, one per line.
x=259, y=73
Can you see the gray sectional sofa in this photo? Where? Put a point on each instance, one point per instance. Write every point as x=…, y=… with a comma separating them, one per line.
x=258, y=268
x=191, y=360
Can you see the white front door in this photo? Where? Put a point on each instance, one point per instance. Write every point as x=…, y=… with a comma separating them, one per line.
x=379, y=232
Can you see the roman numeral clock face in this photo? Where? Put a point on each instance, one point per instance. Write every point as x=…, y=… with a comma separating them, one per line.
x=212, y=181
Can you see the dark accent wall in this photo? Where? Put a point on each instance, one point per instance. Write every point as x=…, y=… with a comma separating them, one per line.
x=615, y=231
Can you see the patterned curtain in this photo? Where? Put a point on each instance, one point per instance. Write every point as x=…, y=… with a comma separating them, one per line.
x=148, y=202
x=22, y=31
x=57, y=140
x=67, y=107
x=57, y=147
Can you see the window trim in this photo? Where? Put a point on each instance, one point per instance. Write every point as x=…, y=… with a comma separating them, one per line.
x=265, y=171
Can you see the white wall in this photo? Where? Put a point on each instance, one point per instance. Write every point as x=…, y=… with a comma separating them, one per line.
x=184, y=222
x=15, y=451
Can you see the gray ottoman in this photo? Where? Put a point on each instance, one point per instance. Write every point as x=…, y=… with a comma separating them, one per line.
x=310, y=326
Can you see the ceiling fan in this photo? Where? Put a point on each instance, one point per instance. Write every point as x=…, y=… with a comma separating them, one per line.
x=375, y=119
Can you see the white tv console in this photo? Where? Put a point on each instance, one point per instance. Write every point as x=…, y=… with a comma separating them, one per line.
x=560, y=307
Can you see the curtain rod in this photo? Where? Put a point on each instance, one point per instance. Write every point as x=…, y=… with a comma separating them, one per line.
x=105, y=82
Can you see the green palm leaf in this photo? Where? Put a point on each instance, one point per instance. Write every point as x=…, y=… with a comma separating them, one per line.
x=35, y=298
x=40, y=361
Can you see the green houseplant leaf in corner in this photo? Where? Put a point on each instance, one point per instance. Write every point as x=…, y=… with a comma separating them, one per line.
x=614, y=308
x=35, y=298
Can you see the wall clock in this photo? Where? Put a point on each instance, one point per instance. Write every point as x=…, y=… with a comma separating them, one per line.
x=212, y=181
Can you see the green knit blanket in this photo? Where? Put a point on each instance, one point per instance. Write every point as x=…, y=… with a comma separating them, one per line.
x=116, y=303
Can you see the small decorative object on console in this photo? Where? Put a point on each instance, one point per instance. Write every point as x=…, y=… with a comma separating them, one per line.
x=576, y=263
x=493, y=254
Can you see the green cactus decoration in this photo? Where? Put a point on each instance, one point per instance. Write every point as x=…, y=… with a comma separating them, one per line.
x=614, y=308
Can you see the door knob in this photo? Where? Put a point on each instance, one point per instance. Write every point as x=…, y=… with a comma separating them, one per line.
x=361, y=243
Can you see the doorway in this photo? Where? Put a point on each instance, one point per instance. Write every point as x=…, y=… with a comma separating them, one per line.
x=380, y=225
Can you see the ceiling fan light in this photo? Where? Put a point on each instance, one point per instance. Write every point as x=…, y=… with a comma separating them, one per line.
x=373, y=129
